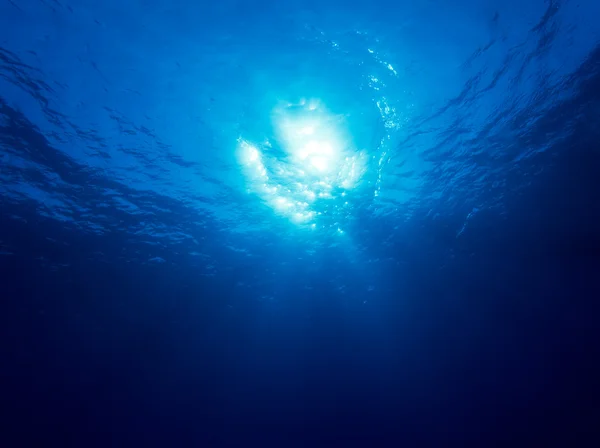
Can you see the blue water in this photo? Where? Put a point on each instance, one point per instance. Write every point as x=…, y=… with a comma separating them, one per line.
x=303, y=224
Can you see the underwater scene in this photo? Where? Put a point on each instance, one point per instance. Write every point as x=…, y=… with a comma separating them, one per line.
x=299, y=224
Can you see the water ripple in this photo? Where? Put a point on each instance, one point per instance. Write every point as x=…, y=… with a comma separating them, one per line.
x=112, y=125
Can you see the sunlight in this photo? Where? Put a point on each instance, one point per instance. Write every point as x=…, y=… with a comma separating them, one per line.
x=318, y=159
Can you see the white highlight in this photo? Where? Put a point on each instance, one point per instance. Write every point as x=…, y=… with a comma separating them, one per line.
x=320, y=159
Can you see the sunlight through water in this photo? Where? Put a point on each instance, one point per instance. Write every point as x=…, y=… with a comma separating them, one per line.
x=307, y=169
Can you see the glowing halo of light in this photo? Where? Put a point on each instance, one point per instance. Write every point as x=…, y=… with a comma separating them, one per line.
x=319, y=161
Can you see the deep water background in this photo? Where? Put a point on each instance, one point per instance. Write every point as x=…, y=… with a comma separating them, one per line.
x=151, y=295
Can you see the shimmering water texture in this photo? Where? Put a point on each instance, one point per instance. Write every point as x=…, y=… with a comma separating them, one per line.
x=279, y=123
x=308, y=168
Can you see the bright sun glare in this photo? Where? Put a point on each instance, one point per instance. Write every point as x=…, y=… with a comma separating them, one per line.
x=316, y=162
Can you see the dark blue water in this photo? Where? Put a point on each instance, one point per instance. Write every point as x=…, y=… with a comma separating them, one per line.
x=305, y=224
